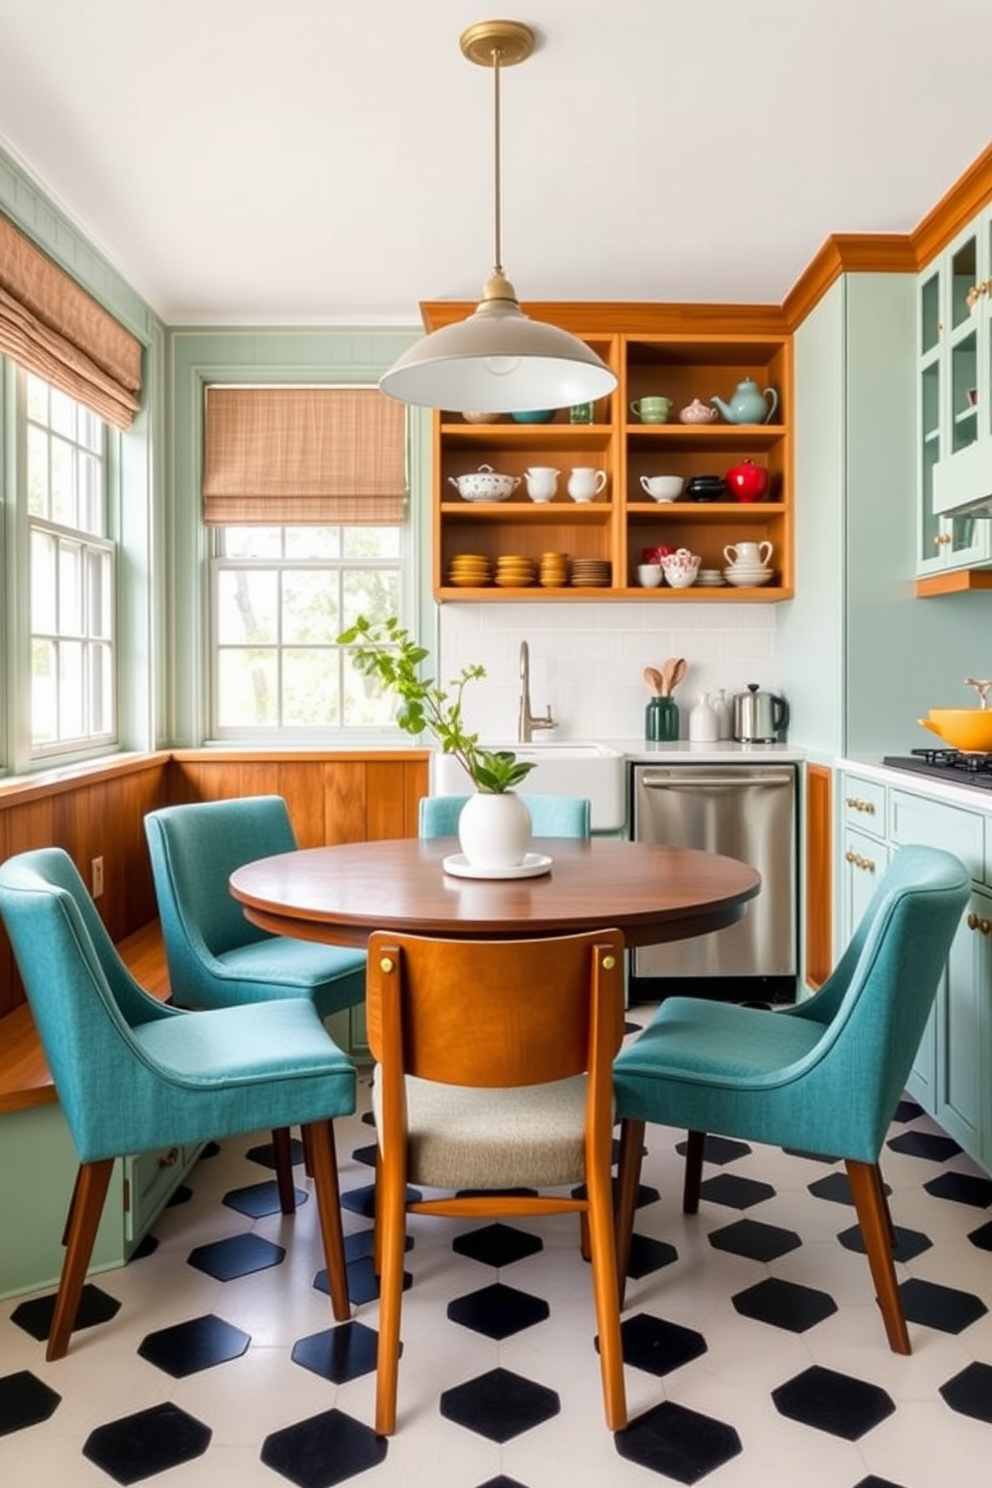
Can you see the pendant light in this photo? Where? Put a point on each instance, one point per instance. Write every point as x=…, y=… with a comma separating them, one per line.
x=498, y=357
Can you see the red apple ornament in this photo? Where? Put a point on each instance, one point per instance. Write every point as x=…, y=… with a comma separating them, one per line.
x=747, y=481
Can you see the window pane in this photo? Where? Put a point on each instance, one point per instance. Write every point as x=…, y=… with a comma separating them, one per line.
x=63, y=413
x=44, y=692
x=44, y=582
x=37, y=399
x=63, y=496
x=371, y=542
x=101, y=694
x=247, y=606
x=90, y=496
x=313, y=542
x=365, y=704
x=310, y=606
x=37, y=473
x=370, y=592
x=310, y=689
x=98, y=595
x=247, y=688
x=70, y=590
x=71, y=713
x=252, y=542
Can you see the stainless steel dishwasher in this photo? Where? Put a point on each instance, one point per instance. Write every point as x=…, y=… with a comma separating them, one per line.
x=746, y=812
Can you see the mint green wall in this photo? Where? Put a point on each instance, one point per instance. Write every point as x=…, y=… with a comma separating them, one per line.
x=137, y=458
x=200, y=356
x=862, y=658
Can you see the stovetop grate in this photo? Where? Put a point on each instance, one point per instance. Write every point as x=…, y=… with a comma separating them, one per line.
x=946, y=764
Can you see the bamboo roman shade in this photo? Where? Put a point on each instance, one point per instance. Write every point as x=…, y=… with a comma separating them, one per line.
x=51, y=326
x=303, y=456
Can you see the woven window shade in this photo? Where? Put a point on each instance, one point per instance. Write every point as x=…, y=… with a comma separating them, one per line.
x=303, y=456
x=55, y=329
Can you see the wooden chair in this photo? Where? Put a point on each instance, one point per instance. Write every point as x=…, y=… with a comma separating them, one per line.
x=551, y=816
x=509, y=1088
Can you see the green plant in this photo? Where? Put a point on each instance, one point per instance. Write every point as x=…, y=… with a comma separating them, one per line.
x=384, y=650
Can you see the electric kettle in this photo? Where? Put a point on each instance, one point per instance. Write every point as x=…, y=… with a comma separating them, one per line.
x=759, y=717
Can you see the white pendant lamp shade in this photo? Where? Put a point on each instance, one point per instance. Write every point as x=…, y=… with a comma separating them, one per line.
x=498, y=358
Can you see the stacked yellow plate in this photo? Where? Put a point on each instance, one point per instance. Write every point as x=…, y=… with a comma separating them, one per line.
x=590, y=573
x=553, y=570
x=470, y=571
x=515, y=572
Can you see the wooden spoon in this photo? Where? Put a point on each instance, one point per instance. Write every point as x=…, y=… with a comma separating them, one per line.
x=655, y=681
x=678, y=672
x=668, y=675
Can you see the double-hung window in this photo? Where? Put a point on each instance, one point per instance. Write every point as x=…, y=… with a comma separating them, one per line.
x=62, y=492
x=304, y=494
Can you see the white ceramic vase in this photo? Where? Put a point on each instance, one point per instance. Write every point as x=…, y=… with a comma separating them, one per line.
x=495, y=830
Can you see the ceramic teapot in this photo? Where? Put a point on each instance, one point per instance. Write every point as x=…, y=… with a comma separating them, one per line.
x=749, y=405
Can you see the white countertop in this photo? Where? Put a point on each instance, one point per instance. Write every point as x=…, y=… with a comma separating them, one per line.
x=871, y=767
x=685, y=752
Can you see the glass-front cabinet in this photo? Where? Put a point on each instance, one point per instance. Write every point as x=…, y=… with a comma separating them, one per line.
x=954, y=317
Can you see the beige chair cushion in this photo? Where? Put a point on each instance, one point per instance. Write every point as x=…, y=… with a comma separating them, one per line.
x=528, y=1136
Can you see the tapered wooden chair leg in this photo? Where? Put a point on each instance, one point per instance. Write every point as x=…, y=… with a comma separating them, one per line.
x=390, y=1220
x=693, y=1178
x=628, y=1182
x=282, y=1148
x=873, y=1217
x=92, y=1182
x=607, y=1299
x=325, y=1179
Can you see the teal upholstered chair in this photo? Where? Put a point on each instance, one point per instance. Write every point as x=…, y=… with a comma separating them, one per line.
x=133, y=1075
x=216, y=957
x=824, y=1076
x=552, y=816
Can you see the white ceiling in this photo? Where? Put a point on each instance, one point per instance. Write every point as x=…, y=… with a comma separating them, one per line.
x=310, y=161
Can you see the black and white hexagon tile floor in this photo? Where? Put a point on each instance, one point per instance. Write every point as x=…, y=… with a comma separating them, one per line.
x=755, y=1354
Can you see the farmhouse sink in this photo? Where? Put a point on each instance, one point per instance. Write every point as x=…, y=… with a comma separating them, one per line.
x=568, y=767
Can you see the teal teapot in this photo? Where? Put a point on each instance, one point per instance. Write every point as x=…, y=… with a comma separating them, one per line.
x=749, y=405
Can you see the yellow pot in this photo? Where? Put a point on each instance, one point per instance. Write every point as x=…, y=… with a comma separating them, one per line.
x=969, y=729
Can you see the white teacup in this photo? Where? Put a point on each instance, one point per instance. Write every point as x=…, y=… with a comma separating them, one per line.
x=542, y=482
x=649, y=575
x=749, y=554
x=585, y=483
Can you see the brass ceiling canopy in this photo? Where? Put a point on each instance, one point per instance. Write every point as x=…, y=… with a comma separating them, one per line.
x=498, y=358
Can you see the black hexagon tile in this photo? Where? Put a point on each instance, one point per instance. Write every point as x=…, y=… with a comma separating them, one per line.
x=239, y=1255
x=648, y=1255
x=982, y=1237
x=499, y=1405
x=265, y=1154
x=836, y=1189
x=260, y=1199
x=497, y=1244
x=970, y=1392
x=197, y=1344
x=498, y=1311
x=909, y=1243
x=25, y=1400
x=830, y=1401
x=875, y=1482
x=501, y=1482
x=658, y=1347
x=338, y=1354
x=754, y=1240
x=366, y=1155
x=718, y=1150
x=678, y=1443
x=321, y=1451
x=907, y=1110
x=940, y=1307
x=931, y=1145
x=362, y=1200
x=363, y=1284
x=734, y=1192
x=961, y=1188
x=784, y=1304
x=148, y=1442
x=35, y=1316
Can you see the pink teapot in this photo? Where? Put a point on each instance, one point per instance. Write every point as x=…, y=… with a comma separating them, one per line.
x=697, y=412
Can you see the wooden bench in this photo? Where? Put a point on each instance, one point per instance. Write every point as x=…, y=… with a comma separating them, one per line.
x=25, y=1079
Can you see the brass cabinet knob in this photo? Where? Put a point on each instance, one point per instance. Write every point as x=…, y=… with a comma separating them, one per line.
x=856, y=804
x=857, y=861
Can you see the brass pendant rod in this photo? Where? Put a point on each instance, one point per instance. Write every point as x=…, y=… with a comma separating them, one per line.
x=498, y=162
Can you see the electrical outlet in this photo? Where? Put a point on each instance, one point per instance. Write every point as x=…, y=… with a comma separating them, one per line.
x=96, y=877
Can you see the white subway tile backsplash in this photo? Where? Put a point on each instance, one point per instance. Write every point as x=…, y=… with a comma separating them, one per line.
x=587, y=660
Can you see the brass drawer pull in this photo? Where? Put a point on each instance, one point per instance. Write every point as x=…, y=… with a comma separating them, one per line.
x=856, y=804
x=857, y=861
x=170, y=1159
x=974, y=922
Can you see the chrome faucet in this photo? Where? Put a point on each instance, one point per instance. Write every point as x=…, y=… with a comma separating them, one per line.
x=528, y=723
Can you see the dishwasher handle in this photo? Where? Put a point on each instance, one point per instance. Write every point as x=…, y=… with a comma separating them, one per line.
x=732, y=777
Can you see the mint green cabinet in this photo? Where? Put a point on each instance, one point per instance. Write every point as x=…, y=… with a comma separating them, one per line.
x=954, y=334
x=964, y=1034
x=37, y=1171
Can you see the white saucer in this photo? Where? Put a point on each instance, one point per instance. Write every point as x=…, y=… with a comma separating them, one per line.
x=533, y=865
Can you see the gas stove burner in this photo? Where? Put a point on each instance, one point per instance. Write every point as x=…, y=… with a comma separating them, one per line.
x=953, y=765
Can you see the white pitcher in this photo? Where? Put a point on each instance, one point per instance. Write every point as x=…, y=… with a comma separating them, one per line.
x=542, y=482
x=749, y=554
x=585, y=483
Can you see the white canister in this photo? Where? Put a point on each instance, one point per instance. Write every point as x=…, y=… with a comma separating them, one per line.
x=724, y=719
x=702, y=721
